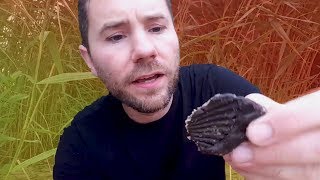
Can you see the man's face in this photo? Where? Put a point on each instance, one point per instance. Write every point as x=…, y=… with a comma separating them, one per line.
x=134, y=50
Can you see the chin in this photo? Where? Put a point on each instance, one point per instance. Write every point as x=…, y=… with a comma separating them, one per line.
x=150, y=104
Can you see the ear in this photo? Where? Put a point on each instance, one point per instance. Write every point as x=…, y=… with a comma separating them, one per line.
x=87, y=58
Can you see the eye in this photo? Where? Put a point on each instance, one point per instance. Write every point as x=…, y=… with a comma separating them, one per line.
x=157, y=29
x=116, y=38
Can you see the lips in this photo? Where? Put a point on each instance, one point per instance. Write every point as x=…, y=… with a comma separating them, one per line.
x=148, y=78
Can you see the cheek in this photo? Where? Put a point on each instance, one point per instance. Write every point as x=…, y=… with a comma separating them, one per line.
x=173, y=45
x=110, y=61
x=169, y=49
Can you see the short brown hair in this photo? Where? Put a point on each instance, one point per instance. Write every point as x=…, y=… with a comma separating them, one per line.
x=83, y=19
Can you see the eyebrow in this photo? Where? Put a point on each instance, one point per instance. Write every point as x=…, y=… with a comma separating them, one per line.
x=115, y=23
x=154, y=16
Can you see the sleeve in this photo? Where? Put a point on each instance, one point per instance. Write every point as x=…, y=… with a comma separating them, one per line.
x=70, y=160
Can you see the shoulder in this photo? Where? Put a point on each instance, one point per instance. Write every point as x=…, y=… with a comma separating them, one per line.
x=214, y=79
x=196, y=76
x=103, y=106
x=98, y=118
x=205, y=70
x=81, y=143
x=198, y=69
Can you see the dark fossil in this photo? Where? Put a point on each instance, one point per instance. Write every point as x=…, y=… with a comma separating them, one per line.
x=219, y=125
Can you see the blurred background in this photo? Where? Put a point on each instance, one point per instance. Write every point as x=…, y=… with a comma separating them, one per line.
x=44, y=82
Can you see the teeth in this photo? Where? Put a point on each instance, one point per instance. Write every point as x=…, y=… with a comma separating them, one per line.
x=147, y=80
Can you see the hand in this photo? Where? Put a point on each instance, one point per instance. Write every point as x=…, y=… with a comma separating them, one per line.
x=284, y=143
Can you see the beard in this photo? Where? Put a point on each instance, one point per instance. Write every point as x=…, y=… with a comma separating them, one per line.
x=153, y=100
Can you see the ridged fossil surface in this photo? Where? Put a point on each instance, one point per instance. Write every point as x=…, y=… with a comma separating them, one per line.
x=219, y=125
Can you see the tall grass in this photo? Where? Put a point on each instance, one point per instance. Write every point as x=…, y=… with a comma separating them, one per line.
x=44, y=82
x=39, y=92
x=274, y=44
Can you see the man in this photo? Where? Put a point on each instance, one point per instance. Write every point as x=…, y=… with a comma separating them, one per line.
x=137, y=131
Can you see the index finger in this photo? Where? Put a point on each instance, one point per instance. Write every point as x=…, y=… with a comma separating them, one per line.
x=286, y=121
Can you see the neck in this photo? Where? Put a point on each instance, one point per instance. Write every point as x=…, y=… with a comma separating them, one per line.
x=144, y=118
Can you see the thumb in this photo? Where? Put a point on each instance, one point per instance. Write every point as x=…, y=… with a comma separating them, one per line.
x=261, y=128
x=264, y=101
x=285, y=121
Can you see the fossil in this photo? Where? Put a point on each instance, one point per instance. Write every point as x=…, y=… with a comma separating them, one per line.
x=219, y=125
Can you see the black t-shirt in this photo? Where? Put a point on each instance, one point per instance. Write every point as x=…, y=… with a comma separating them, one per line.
x=104, y=143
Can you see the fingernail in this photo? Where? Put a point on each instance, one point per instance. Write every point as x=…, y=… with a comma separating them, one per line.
x=242, y=154
x=260, y=133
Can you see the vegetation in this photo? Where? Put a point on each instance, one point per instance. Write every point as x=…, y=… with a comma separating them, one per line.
x=44, y=82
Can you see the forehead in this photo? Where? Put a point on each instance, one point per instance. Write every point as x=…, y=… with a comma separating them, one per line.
x=105, y=9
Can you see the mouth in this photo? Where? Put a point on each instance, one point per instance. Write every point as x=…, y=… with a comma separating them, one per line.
x=148, y=78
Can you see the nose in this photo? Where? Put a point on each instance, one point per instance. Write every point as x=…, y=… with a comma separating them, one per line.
x=143, y=47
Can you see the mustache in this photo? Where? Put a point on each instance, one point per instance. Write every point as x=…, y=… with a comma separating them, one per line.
x=145, y=68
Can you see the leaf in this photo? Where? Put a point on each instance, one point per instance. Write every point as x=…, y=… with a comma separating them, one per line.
x=246, y=14
x=16, y=74
x=70, y=10
x=5, y=119
x=4, y=169
x=34, y=159
x=4, y=138
x=66, y=77
x=214, y=33
x=54, y=50
x=5, y=80
x=282, y=33
x=282, y=49
x=291, y=5
x=192, y=54
x=30, y=78
x=17, y=97
x=5, y=94
x=43, y=131
x=7, y=55
x=287, y=61
x=30, y=44
x=256, y=42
